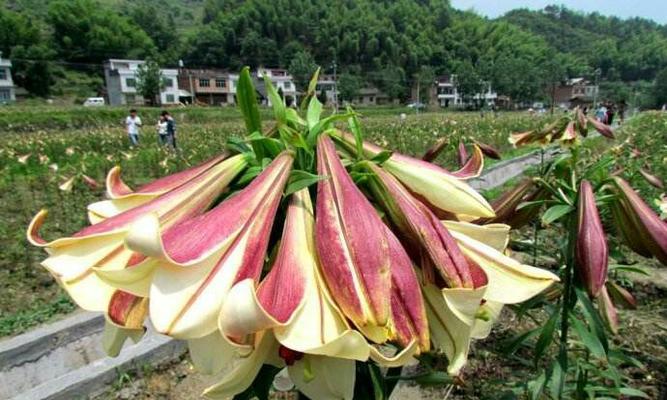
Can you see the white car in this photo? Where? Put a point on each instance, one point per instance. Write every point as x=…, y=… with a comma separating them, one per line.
x=94, y=102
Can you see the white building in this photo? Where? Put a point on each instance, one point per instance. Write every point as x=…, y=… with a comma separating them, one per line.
x=281, y=80
x=327, y=84
x=7, y=89
x=121, y=81
x=449, y=96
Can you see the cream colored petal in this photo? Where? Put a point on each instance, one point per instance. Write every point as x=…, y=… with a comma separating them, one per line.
x=114, y=337
x=245, y=370
x=510, y=282
x=488, y=314
x=75, y=257
x=324, y=378
x=89, y=292
x=451, y=319
x=399, y=359
x=102, y=210
x=210, y=354
x=493, y=235
x=136, y=280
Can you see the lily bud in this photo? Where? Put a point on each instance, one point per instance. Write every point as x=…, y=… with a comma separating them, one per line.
x=591, y=247
x=352, y=246
x=462, y=154
x=608, y=311
x=582, y=125
x=652, y=179
x=506, y=205
x=621, y=295
x=489, y=151
x=604, y=129
x=433, y=152
x=639, y=224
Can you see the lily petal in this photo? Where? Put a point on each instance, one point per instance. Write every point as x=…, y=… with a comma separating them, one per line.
x=493, y=235
x=211, y=353
x=352, y=246
x=325, y=378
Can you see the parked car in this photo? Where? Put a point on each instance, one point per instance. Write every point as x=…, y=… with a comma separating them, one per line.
x=94, y=102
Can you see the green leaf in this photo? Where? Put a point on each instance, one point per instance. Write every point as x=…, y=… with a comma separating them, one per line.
x=536, y=387
x=247, y=101
x=628, y=268
x=555, y=376
x=322, y=125
x=378, y=382
x=529, y=204
x=593, y=317
x=546, y=335
x=633, y=392
x=250, y=174
x=312, y=85
x=294, y=117
x=237, y=145
x=589, y=340
x=434, y=378
x=314, y=112
x=277, y=103
x=355, y=127
x=513, y=344
x=382, y=156
x=270, y=145
x=261, y=385
x=556, y=212
x=301, y=179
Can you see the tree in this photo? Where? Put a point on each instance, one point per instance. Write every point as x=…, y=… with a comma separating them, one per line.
x=425, y=77
x=159, y=27
x=468, y=81
x=348, y=86
x=150, y=81
x=302, y=67
x=33, y=69
x=660, y=88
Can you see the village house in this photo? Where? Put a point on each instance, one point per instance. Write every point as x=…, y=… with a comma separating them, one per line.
x=213, y=87
x=448, y=94
x=7, y=89
x=327, y=84
x=121, y=83
x=282, y=81
x=574, y=92
x=371, y=96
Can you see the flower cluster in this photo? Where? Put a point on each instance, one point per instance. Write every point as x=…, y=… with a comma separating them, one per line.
x=379, y=264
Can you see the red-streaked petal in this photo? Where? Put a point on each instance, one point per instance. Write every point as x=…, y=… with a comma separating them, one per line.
x=351, y=243
x=473, y=167
x=591, y=247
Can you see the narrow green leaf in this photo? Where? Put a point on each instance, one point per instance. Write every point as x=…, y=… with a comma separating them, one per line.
x=294, y=117
x=355, y=127
x=633, y=393
x=593, y=317
x=314, y=112
x=546, y=334
x=323, y=125
x=382, y=156
x=434, y=378
x=556, y=212
x=277, y=103
x=536, y=387
x=247, y=101
x=513, y=344
x=378, y=382
x=555, y=376
x=589, y=340
x=238, y=145
x=312, y=85
x=301, y=179
x=261, y=385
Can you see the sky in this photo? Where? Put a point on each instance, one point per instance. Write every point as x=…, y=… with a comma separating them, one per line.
x=651, y=9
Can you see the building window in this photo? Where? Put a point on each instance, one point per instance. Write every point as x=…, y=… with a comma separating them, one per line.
x=130, y=99
x=131, y=82
x=168, y=82
x=170, y=98
x=4, y=94
x=371, y=99
x=204, y=83
x=288, y=85
x=221, y=83
x=3, y=74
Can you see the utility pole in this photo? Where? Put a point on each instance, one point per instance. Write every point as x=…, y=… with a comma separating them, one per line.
x=335, y=86
x=417, y=103
x=595, y=92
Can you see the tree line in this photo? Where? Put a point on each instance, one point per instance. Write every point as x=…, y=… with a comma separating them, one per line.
x=391, y=44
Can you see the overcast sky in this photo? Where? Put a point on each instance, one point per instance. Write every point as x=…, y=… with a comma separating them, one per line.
x=652, y=9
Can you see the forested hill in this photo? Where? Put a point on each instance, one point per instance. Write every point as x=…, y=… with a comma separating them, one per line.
x=391, y=43
x=629, y=50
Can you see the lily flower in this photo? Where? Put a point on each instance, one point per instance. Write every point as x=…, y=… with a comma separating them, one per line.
x=505, y=206
x=461, y=154
x=79, y=261
x=651, y=178
x=489, y=150
x=352, y=246
x=621, y=295
x=591, y=247
x=197, y=261
x=640, y=226
x=603, y=129
x=433, y=151
x=608, y=311
x=123, y=198
x=437, y=187
x=422, y=228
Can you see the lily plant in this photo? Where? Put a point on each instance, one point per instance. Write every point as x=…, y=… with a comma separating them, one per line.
x=301, y=253
x=583, y=199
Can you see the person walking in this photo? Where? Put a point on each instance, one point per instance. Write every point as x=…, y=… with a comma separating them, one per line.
x=171, y=128
x=132, y=124
x=162, y=136
x=610, y=114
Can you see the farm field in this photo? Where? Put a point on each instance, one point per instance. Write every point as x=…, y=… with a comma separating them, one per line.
x=36, y=161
